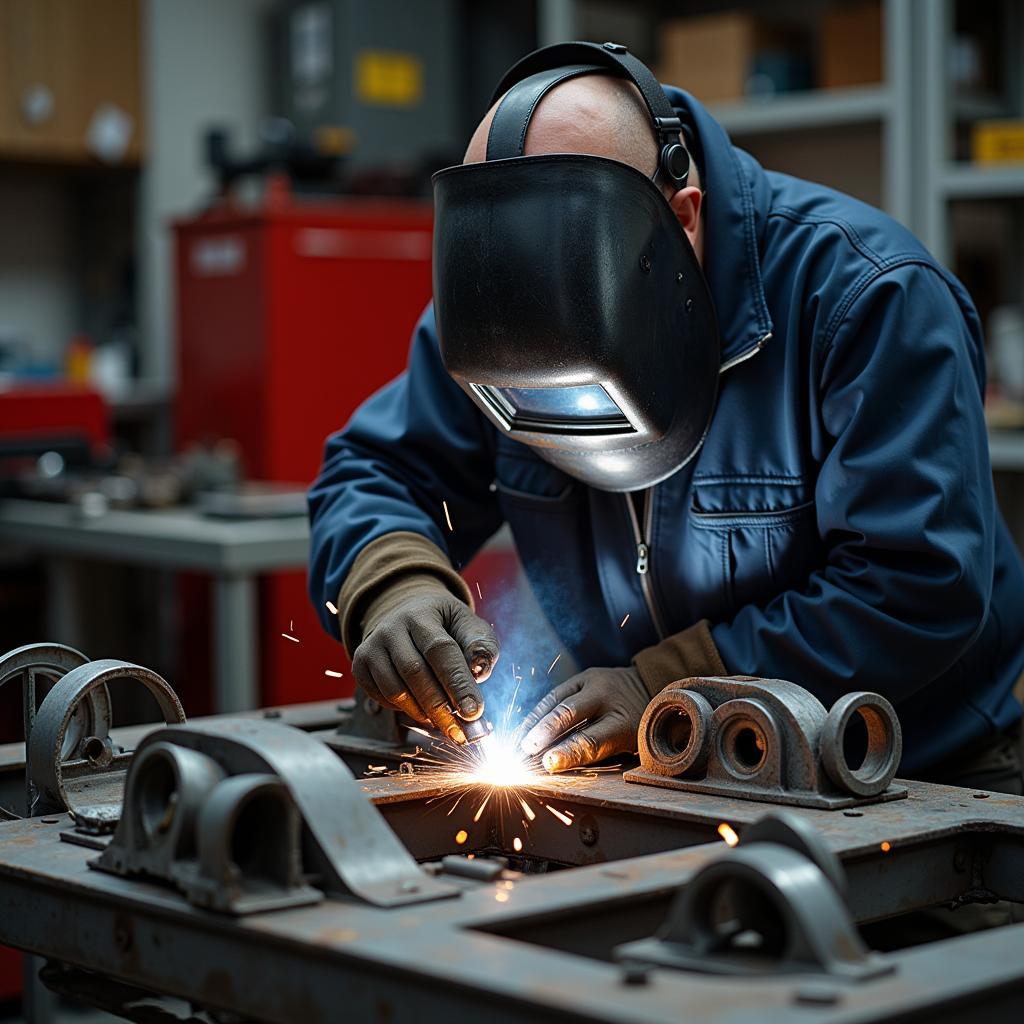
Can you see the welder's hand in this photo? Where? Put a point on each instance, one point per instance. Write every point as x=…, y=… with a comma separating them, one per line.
x=425, y=658
x=602, y=708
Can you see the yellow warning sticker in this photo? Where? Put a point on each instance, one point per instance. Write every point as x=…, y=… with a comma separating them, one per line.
x=387, y=78
x=998, y=142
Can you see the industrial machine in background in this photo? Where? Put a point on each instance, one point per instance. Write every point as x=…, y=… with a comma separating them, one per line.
x=254, y=867
x=405, y=84
x=290, y=313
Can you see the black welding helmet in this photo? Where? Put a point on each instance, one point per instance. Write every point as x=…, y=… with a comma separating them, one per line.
x=570, y=304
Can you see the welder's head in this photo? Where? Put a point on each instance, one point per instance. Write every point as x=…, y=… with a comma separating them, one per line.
x=602, y=115
x=568, y=293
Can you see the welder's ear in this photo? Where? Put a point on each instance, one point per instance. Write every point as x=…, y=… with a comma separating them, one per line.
x=686, y=205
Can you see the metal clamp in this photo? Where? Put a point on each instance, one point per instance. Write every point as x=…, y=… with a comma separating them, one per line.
x=767, y=739
x=237, y=813
x=773, y=905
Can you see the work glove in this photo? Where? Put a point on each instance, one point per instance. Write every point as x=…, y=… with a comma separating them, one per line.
x=592, y=716
x=424, y=652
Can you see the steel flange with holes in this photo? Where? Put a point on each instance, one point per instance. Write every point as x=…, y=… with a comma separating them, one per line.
x=770, y=740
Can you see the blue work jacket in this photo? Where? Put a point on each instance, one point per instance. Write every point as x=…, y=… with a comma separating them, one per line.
x=838, y=527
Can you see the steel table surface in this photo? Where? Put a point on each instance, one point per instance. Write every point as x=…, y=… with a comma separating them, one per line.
x=478, y=953
x=232, y=552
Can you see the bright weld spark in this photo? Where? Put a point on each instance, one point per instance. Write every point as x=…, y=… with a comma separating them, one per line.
x=461, y=836
x=493, y=777
x=294, y=639
x=886, y=846
x=448, y=517
x=563, y=818
x=291, y=625
x=553, y=664
x=479, y=592
x=334, y=675
x=501, y=897
x=480, y=809
x=331, y=607
x=624, y=621
x=728, y=833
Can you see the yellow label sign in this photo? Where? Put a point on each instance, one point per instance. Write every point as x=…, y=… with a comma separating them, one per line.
x=388, y=79
x=997, y=142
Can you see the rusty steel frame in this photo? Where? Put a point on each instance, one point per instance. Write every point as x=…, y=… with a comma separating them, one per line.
x=544, y=952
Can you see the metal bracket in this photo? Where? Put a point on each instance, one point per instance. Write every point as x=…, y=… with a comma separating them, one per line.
x=767, y=739
x=773, y=905
x=72, y=760
x=45, y=663
x=237, y=812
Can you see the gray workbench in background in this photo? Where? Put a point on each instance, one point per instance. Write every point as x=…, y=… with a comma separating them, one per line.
x=233, y=552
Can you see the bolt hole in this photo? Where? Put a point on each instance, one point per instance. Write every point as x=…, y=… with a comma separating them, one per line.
x=853, y=814
x=673, y=732
x=158, y=797
x=94, y=749
x=260, y=838
x=748, y=747
x=855, y=742
x=981, y=796
x=742, y=919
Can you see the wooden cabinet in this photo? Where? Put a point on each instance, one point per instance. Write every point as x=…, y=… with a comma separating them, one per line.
x=70, y=81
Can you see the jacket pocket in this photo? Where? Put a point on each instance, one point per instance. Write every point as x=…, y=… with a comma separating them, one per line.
x=761, y=551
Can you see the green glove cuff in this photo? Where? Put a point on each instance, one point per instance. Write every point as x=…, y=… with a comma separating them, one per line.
x=680, y=656
x=385, y=574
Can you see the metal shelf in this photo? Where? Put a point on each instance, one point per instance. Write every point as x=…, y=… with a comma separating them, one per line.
x=974, y=181
x=824, y=108
x=1006, y=449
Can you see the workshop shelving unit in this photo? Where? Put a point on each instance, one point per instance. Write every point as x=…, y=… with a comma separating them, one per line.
x=948, y=184
x=890, y=143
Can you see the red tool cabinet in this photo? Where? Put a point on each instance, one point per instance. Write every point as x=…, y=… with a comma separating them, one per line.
x=289, y=315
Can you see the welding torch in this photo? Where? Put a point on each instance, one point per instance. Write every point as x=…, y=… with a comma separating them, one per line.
x=425, y=653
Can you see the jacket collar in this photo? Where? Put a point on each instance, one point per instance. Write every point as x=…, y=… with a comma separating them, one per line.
x=736, y=206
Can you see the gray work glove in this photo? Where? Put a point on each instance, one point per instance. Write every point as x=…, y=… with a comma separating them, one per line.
x=424, y=654
x=596, y=714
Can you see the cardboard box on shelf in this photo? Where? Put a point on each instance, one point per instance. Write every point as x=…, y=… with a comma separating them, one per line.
x=714, y=56
x=850, y=45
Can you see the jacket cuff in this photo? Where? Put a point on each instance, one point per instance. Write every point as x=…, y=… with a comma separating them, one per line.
x=680, y=656
x=385, y=574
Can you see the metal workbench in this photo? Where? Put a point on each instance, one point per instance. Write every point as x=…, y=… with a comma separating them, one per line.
x=287, y=866
x=233, y=552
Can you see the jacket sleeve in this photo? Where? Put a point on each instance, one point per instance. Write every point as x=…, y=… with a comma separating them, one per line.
x=416, y=444
x=904, y=502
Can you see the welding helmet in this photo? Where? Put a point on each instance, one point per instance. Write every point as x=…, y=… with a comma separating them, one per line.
x=570, y=305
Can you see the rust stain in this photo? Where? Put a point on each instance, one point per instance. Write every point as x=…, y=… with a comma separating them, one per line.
x=327, y=936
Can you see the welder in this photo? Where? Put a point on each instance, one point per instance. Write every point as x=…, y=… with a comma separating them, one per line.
x=743, y=408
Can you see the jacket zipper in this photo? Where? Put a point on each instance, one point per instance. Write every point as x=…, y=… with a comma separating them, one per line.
x=641, y=537
x=749, y=354
x=642, y=532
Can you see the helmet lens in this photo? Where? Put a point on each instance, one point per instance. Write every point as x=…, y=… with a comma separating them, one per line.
x=585, y=408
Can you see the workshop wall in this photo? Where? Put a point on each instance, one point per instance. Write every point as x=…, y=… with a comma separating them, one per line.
x=203, y=63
